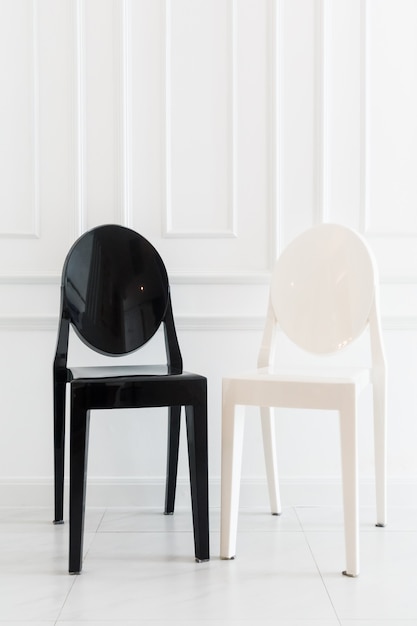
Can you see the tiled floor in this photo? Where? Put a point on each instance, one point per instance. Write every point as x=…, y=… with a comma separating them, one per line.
x=139, y=570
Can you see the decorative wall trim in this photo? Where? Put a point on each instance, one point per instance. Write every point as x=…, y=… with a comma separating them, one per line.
x=34, y=230
x=278, y=177
x=365, y=208
x=274, y=114
x=30, y=279
x=139, y=492
x=123, y=122
x=29, y=323
x=203, y=323
x=255, y=278
x=231, y=231
x=324, y=156
x=364, y=71
x=320, y=72
x=80, y=123
x=182, y=322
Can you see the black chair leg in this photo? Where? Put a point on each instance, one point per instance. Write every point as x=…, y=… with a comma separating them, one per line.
x=59, y=450
x=174, y=420
x=80, y=421
x=198, y=461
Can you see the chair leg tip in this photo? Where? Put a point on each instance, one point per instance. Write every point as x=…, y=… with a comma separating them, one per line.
x=57, y=522
x=378, y=525
x=168, y=512
x=197, y=560
x=345, y=573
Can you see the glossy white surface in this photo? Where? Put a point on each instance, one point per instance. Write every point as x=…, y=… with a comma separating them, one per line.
x=322, y=288
x=324, y=293
x=137, y=571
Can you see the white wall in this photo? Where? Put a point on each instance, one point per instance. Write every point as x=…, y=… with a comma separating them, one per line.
x=219, y=129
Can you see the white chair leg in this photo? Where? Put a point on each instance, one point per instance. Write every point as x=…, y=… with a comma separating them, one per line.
x=268, y=433
x=232, y=443
x=348, y=432
x=380, y=436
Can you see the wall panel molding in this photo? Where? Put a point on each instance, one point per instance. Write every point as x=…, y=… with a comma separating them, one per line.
x=169, y=229
x=122, y=61
x=125, y=491
x=274, y=115
x=321, y=102
x=366, y=153
x=33, y=228
x=364, y=189
x=80, y=121
x=210, y=323
x=30, y=279
x=123, y=105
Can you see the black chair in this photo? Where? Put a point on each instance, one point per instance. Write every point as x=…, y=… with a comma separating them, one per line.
x=115, y=294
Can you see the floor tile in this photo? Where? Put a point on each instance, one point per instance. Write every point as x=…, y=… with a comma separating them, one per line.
x=153, y=520
x=151, y=576
x=385, y=589
x=33, y=585
x=24, y=519
x=331, y=518
x=139, y=570
x=34, y=579
x=379, y=622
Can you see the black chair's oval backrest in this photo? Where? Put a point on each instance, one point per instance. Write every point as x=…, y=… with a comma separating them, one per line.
x=115, y=289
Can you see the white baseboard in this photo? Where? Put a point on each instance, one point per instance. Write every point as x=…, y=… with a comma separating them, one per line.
x=137, y=492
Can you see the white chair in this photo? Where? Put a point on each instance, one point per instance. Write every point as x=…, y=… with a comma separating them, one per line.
x=324, y=293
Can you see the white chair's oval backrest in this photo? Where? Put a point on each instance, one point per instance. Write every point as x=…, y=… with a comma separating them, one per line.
x=323, y=288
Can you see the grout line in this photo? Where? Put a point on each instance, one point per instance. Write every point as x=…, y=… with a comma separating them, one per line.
x=76, y=576
x=316, y=564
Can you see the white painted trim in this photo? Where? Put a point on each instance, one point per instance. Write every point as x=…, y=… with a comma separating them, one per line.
x=365, y=213
x=201, y=323
x=30, y=279
x=36, y=145
x=52, y=278
x=364, y=117
x=149, y=492
x=319, y=105
x=182, y=278
x=325, y=114
x=279, y=126
x=80, y=124
x=255, y=278
x=232, y=230
x=273, y=115
x=123, y=113
x=34, y=230
x=29, y=323
x=182, y=322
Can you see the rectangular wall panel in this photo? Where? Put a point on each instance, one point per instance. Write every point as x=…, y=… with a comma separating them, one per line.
x=199, y=117
x=209, y=210
x=391, y=120
x=342, y=74
x=299, y=64
x=102, y=107
x=18, y=118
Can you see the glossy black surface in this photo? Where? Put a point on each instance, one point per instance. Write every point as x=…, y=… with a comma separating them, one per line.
x=115, y=288
x=115, y=294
